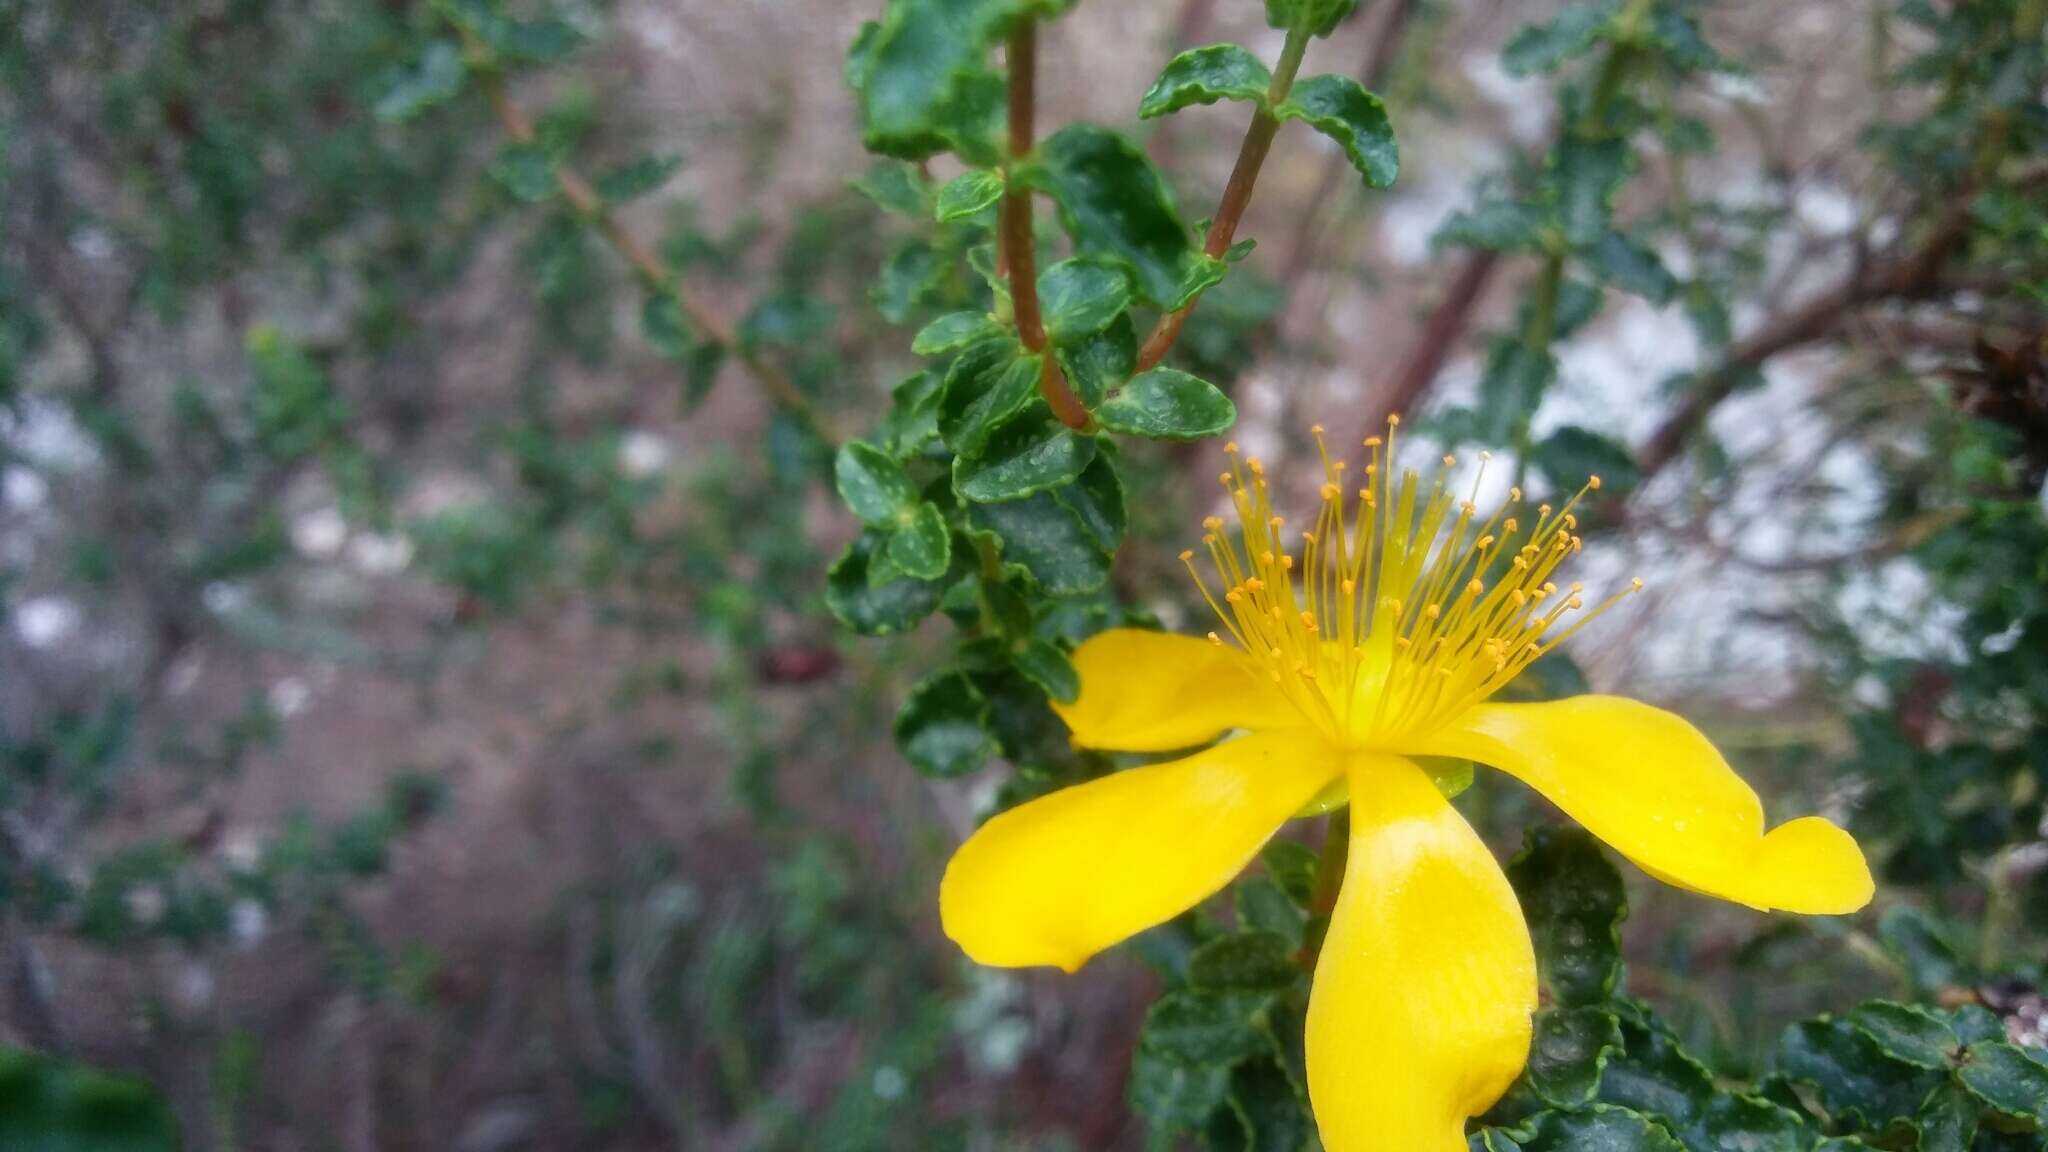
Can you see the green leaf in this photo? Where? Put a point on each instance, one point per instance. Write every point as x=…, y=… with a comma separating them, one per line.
x=1064, y=539
x=1168, y=404
x=527, y=170
x=1100, y=363
x=1030, y=454
x=2008, y=1080
x=942, y=729
x=1630, y=266
x=1601, y=1128
x=434, y=80
x=1113, y=202
x=540, y=41
x=922, y=79
x=987, y=385
x=1081, y=297
x=1495, y=225
x=1316, y=17
x=1655, y=1076
x=1204, y=272
x=1045, y=665
x=1293, y=867
x=908, y=279
x=874, y=485
x=894, y=606
x=1204, y=76
x=1340, y=108
x=1512, y=384
x=1196, y=1028
x=637, y=178
x=1571, y=1049
x=1572, y=898
x=1265, y=1114
x=1849, y=1076
x=665, y=326
x=897, y=188
x=1586, y=174
x=954, y=331
x=1571, y=455
x=921, y=546
x=1262, y=904
x=968, y=193
x=1907, y=1033
x=48, y=1105
x=1546, y=47
x=1244, y=962
x=1947, y=1120
x=1929, y=959
x=1172, y=1097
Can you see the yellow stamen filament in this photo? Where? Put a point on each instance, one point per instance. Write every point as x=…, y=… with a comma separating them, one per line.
x=1406, y=607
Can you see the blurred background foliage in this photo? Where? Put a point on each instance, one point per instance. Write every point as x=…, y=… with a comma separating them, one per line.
x=428, y=711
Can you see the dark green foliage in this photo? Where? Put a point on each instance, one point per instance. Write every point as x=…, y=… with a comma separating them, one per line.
x=50, y=1106
x=1204, y=76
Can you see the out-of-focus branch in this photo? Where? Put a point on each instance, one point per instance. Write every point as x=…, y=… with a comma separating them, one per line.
x=583, y=197
x=1914, y=274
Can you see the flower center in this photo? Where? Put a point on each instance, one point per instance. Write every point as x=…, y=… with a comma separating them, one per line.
x=1405, y=609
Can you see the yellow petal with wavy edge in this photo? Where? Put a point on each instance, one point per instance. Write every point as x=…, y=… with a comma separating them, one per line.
x=1657, y=791
x=1420, y=1013
x=1154, y=692
x=1058, y=879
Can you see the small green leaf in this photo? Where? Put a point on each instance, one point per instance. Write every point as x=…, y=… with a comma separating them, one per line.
x=1064, y=538
x=1512, y=383
x=954, y=331
x=1113, y=202
x=1102, y=362
x=1262, y=904
x=1571, y=455
x=1907, y=1033
x=1045, y=665
x=542, y=41
x=873, y=484
x=1572, y=898
x=942, y=729
x=1947, y=1120
x=1293, y=867
x=1316, y=17
x=894, y=606
x=921, y=546
x=2008, y=1080
x=1571, y=1049
x=637, y=178
x=1081, y=297
x=909, y=278
x=1168, y=404
x=988, y=384
x=434, y=80
x=1630, y=266
x=968, y=193
x=1849, y=1075
x=1601, y=1128
x=665, y=326
x=48, y=1105
x=897, y=188
x=1265, y=1113
x=1547, y=46
x=1204, y=76
x=1175, y=1098
x=1340, y=108
x=1586, y=174
x=922, y=78
x=1244, y=962
x=527, y=170
x=1196, y=1028
x=1204, y=272
x=1495, y=225
x=1929, y=959
x=1027, y=455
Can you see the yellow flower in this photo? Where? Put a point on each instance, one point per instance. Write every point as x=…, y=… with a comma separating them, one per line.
x=1405, y=613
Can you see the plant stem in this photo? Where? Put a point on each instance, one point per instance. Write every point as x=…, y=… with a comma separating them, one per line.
x=653, y=273
x=1237, y=194
x=1019, y=254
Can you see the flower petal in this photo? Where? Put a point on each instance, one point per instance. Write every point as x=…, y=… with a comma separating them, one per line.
x=1056, y=880
x=1420, y=1013
x=1653, y=788
x=1155, y=691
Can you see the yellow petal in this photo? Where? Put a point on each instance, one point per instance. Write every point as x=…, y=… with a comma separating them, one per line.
x=1651, y=785
x=1154, y=692
x=1420, y=1014
x=1059, y=879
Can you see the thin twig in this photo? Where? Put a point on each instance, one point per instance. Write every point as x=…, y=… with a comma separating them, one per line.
x=1019, y=254
x=652, y=271
x=1237, y=194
